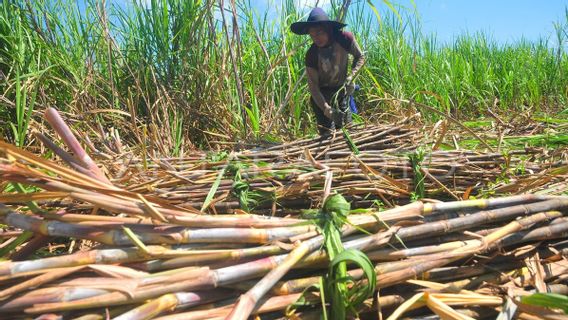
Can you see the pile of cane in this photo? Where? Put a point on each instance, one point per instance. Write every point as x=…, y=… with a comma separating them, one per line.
x=228, y=238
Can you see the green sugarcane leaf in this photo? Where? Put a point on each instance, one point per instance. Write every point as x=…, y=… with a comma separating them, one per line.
x=134, y=238
x=334, y=285
x=416, y=159
x=337, y=205
x=333, y=242
x=350, y=142
x=213, y=190
x=548, y=300
x=25, y=236
x=302, y=301
x=310, y=213
x=322, y=293
x=360, y=211
x=359, y=293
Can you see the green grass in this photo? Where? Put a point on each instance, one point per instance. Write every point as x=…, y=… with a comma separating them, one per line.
x=551, y=120
x=181, y=70
x=478, y=123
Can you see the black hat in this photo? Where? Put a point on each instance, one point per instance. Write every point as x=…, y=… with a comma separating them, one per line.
x=317, y=16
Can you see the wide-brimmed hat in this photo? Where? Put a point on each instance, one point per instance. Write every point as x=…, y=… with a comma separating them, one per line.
x=317, y=16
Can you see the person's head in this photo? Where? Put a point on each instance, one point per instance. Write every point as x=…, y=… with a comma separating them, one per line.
x=318, y=25
x=320, y=34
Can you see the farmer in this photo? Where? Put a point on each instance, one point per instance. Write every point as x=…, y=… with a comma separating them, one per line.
x=326, y=66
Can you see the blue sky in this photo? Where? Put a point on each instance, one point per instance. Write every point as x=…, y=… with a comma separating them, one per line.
x=504, y=20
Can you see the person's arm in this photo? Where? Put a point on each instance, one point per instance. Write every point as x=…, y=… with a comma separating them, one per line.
x=313, y=85
x=358, y=58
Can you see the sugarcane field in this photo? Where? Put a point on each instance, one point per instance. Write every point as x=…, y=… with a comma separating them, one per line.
x=211, y=159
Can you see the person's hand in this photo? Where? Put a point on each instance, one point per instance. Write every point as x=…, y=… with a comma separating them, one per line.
x=327, y=111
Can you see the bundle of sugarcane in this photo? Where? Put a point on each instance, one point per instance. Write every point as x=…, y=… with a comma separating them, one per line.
x=392, y=138
x=269, y=182
x=398, y=137
x=277, y=188
x=251, y=181
x=236, y=182
x=145, y=254
x=159, y=261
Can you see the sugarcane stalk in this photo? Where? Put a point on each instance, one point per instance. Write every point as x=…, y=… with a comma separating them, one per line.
x=267, y=305
x=197, y=282
x=233, y=255
x=37, y=281
x=48, y=295
x=247, y=302
x=213, y=278
x=119, y=237
x=173, y=301
x=234, y=221
x=552, y=231
x=482, y=217
x=435, y=228
x=420, y=266
x=549, y=232
x=432, y=208
x=68, y=158
x=54, y=119
x=31, y=267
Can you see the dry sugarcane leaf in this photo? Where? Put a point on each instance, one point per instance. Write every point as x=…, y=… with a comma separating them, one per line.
x=436, y=181
x=537, y=272
x=468, y=298
x=442, y=309
x=126, y=286
x=519, y=252
x=117, y=272
x=152, y=210
x=437, y=287
x=428, y=284
x=442, y=134
x=75, y=179
x=369, y=170
x=551, y=270
x=467, y=192
x=36, y=196
x=415, y=302
x=293, y=189
x=51, y=166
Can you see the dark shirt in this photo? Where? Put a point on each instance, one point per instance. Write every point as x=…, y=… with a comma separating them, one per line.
x=327, y=66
